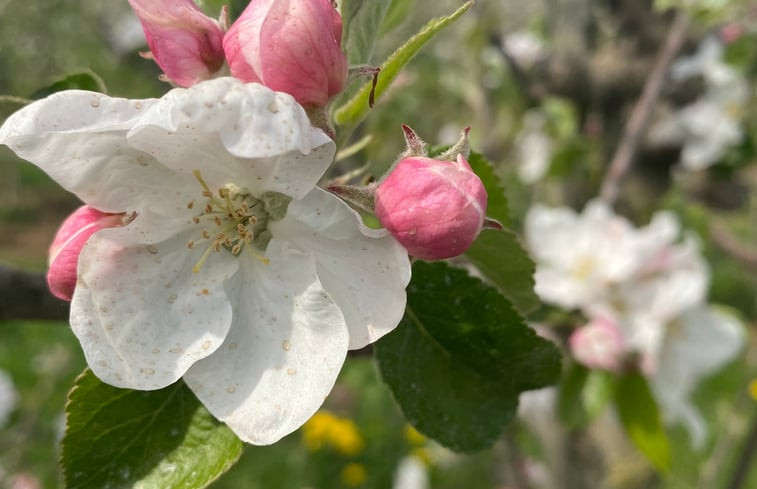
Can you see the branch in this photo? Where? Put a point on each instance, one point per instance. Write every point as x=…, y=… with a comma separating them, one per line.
x=724, y=240
x=24, y=295
x=642, y=111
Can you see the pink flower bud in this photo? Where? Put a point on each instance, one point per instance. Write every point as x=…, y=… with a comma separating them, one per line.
x=71, y=237
x=290, y=46
x=434, y=208
x=599, y=344
x=186, y=44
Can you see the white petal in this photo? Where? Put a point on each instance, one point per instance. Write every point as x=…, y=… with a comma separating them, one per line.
x=701, y=341
x=365, y=270
x=283, y=353
x=8, y=397
x=141, y=314
x=237, y=133
x=79, y=139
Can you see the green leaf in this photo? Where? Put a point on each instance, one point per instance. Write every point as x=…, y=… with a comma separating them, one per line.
x=570, y=407
x=460, y=357
x=399, y=10
x=496, y=205
x=361, y=21
x=164, y=439
x=353, y=111
x=500, y=257
x=641, y=419
x=583, y=394
x=83, y=80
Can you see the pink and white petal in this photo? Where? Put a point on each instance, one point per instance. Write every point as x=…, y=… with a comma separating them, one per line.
x=79, y=139
x=141, y=314
x=237, y=133
x=281, y=358
x=365, y=270
x=242, y=42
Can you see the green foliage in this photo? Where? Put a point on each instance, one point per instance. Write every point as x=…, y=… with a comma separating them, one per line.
x=641, y=419
x=158, y=439
x=500, y=257
x=460, y=358
x=361, y=21
x=582, y=395
x=496, y=207
x=397, y=13
x=352, y=112
x=83, y=80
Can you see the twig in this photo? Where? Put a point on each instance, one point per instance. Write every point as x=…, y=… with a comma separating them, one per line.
x=24, y=295
x=642, y=111
x=724, y=240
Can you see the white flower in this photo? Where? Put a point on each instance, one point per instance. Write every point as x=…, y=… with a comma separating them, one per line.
x=709, y=126
x=579, y=256
x=533, y=147
x=411, y=474
x=236, y=272
x=525, y=47
x=8, y=397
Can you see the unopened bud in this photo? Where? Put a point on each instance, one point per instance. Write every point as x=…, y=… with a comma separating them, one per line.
x=185, y=43
x=599, y=344
x=63, y=256
x=435, y=209
x=290, y=46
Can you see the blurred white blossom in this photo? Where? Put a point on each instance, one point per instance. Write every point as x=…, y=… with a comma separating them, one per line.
x=8, y=397
x=411, y=474
x=524, y=47
x=533, y=148
x=645, y=295
x=711, y=125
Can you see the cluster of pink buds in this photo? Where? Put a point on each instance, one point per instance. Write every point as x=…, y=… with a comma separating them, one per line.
x=435, y=207
x=291, y=46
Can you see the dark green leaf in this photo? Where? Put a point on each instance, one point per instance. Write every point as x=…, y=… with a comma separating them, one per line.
x=496, y=206
x=85, y=80
x=641, y=419
x=162, y=439
x=460, y=358
x=352, y=112
x=500, y=257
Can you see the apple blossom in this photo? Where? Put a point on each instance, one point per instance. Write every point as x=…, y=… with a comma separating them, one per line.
x=185, y=43
x=436, y=209
x=236, y=273
x=290, y=46
x=63, y=256
x=645, y=297
x=578, y=256
x=707, y=127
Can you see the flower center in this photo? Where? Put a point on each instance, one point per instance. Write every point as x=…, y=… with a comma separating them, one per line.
x=232, y=219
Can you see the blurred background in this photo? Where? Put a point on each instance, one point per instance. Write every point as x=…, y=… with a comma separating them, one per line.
x=548, y=88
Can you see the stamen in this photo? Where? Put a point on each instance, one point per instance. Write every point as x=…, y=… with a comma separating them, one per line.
x=263, y=260
x=199, y=264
